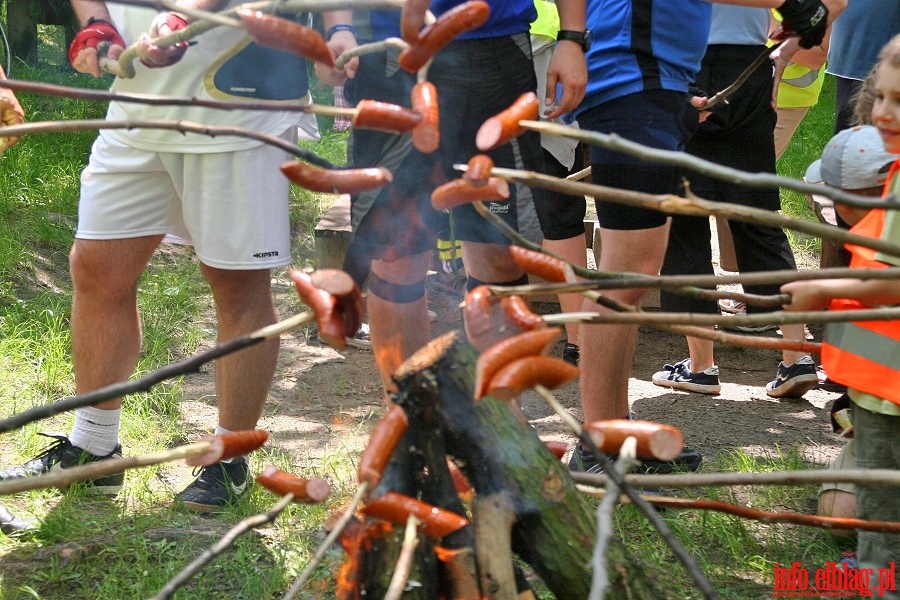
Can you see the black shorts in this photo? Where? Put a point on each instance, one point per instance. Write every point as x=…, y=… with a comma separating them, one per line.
x=561, y=215
x=398, y=220
x=658, y=119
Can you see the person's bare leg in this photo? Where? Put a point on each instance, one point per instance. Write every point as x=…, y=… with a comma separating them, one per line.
x=398, y=329
x=574, y=251
x=243, y=302
x=838, y=504
x=490, y=262
x=608, y=350
x=701, y=352
x=796, y=332
x=105, y=322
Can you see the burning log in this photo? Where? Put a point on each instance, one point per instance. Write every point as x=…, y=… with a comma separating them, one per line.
x=517, y=480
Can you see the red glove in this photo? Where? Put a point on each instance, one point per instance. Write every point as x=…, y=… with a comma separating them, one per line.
x=92, y=34
x=171, y=22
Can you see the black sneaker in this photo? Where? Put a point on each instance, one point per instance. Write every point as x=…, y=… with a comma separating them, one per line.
x=680, y=377
x=217, y=486
x=795, y=380
x=571, y=354
x=61, y=454
x=689, y=460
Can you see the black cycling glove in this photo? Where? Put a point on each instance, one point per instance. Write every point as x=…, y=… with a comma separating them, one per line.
x=808, y=18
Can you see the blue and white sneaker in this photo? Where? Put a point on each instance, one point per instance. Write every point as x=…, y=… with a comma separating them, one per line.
x=680, y=377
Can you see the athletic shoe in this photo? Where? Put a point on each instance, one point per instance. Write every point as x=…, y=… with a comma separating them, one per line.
x=689, y=460
x=217, y=486
x=795, y=380
x=827, y=384
x=61, y=454
x=732, y=307
x=680, y=377
x=750, y=328
x=571, y=354
x=361, y=339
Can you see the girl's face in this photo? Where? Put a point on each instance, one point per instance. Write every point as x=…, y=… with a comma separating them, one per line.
x=886, y=109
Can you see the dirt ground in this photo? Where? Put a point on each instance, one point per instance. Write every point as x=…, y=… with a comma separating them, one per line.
x=323, y=400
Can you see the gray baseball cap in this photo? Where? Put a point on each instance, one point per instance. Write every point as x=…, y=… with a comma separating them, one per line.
x=854, y=159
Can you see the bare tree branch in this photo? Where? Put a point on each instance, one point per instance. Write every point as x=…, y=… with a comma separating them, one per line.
x=327, y=542
x=404, y=561
x=182, y=126
x=746, y=512
x=887, y=477
x=681, y=159
x=142, y=384
x=220, y=546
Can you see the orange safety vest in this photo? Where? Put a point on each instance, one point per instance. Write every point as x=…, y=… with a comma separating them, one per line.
x=864, y=355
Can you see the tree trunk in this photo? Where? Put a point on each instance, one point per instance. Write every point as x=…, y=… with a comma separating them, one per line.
x=553, y=525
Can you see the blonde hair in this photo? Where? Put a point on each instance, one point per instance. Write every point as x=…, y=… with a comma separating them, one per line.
x=890, y=54
x=864, y=99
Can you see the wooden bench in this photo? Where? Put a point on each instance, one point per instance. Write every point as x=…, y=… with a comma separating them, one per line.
x=833, y=253
x=23, y=18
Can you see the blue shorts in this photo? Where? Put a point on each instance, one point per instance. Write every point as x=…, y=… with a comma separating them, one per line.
x=658, y=119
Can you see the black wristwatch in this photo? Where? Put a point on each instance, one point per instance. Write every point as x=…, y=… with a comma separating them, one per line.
x=582, y=38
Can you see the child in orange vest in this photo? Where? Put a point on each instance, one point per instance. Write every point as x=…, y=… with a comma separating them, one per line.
x=865, y=356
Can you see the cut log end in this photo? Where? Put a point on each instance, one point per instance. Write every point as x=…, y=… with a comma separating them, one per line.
x=427, y=355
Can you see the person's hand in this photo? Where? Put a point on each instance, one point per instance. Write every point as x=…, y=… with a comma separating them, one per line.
x=807, y=19
x=809, y=295
x=569, y=69
x=154, y=56
x=11, y=113
x=698, y=102
x=86, y=50
x=340, y=42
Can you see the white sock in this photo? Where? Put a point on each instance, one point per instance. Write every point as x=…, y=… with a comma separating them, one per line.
x=96, y=430
x=219, y=431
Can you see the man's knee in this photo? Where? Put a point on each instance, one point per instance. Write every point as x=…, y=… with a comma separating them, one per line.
x=397, y=293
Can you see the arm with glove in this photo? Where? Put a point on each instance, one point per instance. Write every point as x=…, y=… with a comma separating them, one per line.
x=99, y=38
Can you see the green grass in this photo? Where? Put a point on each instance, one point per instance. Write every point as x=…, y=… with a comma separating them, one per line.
x=129, y=547
x=805, y=147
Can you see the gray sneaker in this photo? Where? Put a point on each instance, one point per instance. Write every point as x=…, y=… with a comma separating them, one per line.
x=61, y=454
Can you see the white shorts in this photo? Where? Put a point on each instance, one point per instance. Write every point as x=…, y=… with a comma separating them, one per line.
x=232, y=206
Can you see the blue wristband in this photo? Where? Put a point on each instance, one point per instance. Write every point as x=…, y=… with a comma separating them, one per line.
x=341, y=27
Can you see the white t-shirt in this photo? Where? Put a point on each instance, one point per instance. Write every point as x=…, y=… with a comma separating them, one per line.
x=221, y=64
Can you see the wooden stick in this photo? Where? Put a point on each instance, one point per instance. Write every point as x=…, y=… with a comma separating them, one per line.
x=125, y=67
x=142, y=384
x=182, y=126
x=50, y=89
x=607, y=280
x=223, y=544
x=770, y=318
x=687, y=161
x=327, y=542
x=746, y=512
x=887, y=477
x=673, y=204
x=627, y=461
x=362, y=49
x=493, y=516
x=63, y=478
x=625, y=484
x=404, y=561
x=699, y=332
x=723, y=95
